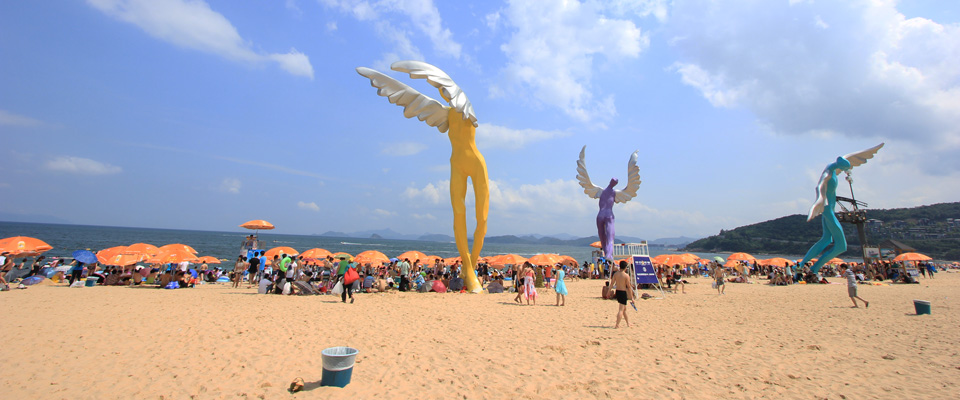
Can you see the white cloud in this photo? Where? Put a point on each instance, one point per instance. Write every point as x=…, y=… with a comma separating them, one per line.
x=403, y=149
x=82, y=166
x=383, y=213
x=422, y=14
x=11, y=119
x=491, y=136
x=294, y=62
x=869, y=73
x=710, y=85
x=641, y=8
x=311, y=206
x=192, y=24
x=430, y=194
x=230, y=185
x=555, y=47
x=426, y=216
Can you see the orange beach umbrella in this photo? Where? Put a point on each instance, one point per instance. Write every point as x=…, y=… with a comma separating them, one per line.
x=567, y=260
x=413, y=255
x=596, y=244
x=176, y=247
x=316, y=253
x=429, y=260
x=371, y=257
x=143, y=248
x=173, y=256
x=24, y=246
x=508, y=259
x=208, y=260
x=741, y=257
x=276, y=251
x=257, y=224
x=119, y=256
x=912, y=257
x=776, y=261
x=545, y=259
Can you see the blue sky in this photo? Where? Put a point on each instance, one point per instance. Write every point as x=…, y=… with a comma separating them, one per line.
x=204, y=114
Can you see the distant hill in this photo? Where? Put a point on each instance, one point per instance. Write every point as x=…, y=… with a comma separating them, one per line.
x=677, y=241
x=933, y=230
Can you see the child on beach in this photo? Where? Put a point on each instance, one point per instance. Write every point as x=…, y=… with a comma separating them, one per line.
x=561, y=288
x=852, y=287
x=718, y=276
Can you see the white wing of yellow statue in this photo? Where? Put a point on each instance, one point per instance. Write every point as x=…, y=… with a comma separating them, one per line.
x=588, y=187
x=448, y=88
x=633, y=180
x=414, y=103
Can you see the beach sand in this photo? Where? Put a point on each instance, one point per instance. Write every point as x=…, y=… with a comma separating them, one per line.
x=801, y=341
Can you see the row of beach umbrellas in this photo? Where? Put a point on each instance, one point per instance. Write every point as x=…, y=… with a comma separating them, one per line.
x=377, y=257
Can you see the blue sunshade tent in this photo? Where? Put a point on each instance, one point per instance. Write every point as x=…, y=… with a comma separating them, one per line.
x=85, y=256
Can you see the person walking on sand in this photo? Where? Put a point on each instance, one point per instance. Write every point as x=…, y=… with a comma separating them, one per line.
x=624, y=292
x=560, y=287
x=718, y=276
x=852, y=287
x=529, y=289
x=347, y=289
x=518, y=284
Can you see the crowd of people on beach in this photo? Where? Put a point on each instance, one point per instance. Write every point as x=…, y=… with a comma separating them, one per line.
x=295, y=274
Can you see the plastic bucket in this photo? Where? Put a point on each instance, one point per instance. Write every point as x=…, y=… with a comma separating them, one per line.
x=922, y=306
x=92, y=281
x=337, y=365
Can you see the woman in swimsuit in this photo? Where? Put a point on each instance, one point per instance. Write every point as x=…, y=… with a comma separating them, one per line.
x=518, y=283
x=528, y=288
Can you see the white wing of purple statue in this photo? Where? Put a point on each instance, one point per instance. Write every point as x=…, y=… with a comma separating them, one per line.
x=588, y=187
x=633, y=180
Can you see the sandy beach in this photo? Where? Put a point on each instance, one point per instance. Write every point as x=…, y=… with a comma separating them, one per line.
x=799, y=341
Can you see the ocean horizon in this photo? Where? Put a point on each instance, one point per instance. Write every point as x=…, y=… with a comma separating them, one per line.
x=65, y=238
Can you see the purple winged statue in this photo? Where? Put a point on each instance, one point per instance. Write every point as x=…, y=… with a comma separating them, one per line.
x=608, y=196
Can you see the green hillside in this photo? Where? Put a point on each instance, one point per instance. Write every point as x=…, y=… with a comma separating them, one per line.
x=933, y=230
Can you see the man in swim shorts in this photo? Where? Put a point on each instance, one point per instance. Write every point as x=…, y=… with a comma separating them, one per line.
x=624, y=292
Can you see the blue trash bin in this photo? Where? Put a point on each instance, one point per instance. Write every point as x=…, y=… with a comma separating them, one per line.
x=922, y=307
x=337, y=365
x=92, y=281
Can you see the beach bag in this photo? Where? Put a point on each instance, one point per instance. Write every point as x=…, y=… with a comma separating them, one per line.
x=338, y=289
x=350, y=276
x=286, y=288
x=713, y=284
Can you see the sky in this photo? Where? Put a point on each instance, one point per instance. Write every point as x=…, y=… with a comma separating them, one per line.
x=203, y=114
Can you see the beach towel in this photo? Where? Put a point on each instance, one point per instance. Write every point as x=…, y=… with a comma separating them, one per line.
x=305, y=288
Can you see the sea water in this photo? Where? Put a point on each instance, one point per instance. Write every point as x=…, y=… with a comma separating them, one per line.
x=65, y=239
